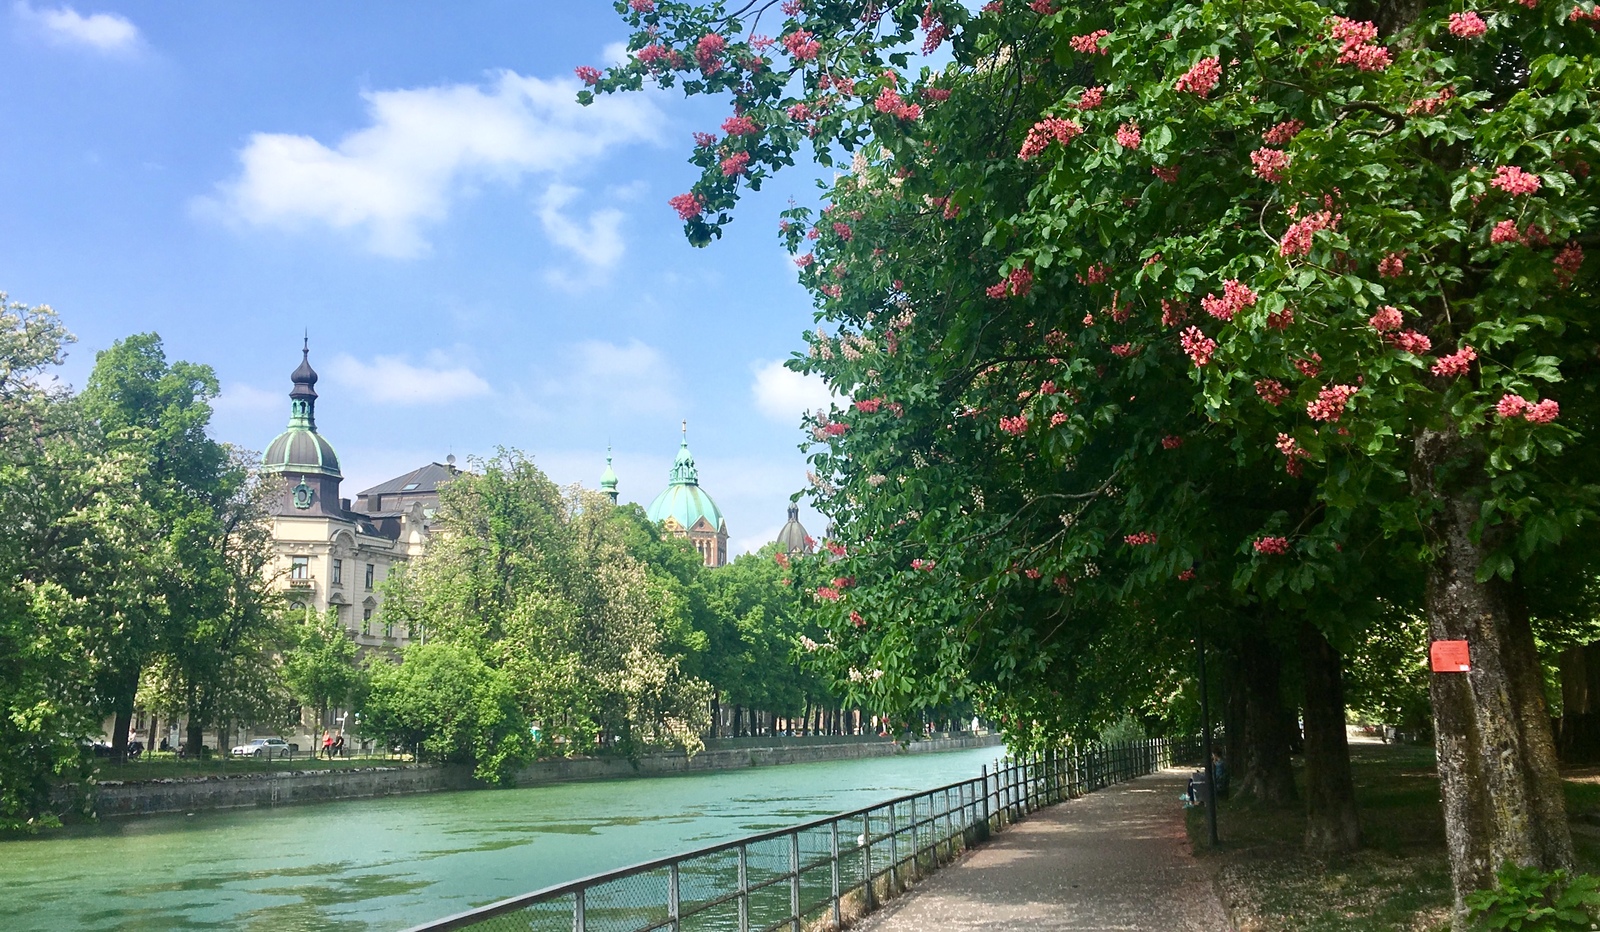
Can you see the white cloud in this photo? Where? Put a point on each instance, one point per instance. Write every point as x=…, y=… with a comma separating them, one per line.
x=615, y=53
x=599, y=243
x=238, y=398
x=393, y=380
x=784, y=395
x=624, y=380
x=423, y=147
x=104, y=32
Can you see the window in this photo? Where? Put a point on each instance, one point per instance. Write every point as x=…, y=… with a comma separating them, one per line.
x=409, y=486
x=297, y=606
x=388, y=629
x=371, y=573
x=299, y=567
x=366, y=621
x=338, y=571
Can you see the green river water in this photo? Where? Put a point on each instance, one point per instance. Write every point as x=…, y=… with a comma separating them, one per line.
x=389, y=863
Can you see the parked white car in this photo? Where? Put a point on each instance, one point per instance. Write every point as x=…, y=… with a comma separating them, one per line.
x=263, y=747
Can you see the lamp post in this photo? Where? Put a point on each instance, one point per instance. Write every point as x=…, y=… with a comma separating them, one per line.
x=1205, y=731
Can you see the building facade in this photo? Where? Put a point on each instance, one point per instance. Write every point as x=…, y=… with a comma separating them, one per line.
x=330, y=555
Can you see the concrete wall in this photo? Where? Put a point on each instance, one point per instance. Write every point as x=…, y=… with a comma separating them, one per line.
x=195, y=794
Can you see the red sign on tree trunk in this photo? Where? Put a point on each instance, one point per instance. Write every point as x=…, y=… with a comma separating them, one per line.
x=1450, y=657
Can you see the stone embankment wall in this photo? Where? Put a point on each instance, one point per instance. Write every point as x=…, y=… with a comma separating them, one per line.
x=196, y=794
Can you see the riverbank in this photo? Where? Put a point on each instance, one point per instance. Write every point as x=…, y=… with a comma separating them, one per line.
x=124, y=798
x=1400, y=880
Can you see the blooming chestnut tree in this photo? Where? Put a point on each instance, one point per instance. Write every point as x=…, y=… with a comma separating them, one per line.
x=1348, y=236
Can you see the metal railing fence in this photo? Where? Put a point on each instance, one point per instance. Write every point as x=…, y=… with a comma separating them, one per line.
x=818, y=874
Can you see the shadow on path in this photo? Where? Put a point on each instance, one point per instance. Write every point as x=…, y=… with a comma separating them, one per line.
x=1117, y=859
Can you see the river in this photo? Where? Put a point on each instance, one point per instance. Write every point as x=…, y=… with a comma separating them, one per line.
x=389, y=863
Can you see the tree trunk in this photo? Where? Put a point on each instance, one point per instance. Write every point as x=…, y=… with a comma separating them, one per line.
x=1497, y=762
x=195, y=738
x=1332, y=824
x=716, y=713
x=1264, y=771
x=122, y=713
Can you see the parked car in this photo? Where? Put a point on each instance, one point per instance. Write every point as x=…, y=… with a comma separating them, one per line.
x=263, y=747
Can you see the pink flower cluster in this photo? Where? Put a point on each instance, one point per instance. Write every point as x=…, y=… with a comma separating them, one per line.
x=923, y=565
x=843, y=231
x=1358, y=49
x=655, y=52
x=1283, y=132
x=1457, y=363
x=587, y=74
x=1505, y=232
x=1514, y=181
x=642, y=6
x=1310, y=367
x=1330, y=402
x=1272, y=391
x=1124, y=350
x=890, y=102
x=1567, y=262
x=1015, y=426
x=1410, y=341
x=1091, y=98
x=805, y=261
x=868, y=405
x=936, y=95
x=835, y=428
x=740, y=125
x=1199, y=346
x=1392, y=265
x=1050, y=128
x=857, y=620
x=1187, y=575
x=1236, y=296
x=708, y=51
x=1167, y=173
x=1468, y=25
x=1431, y=104
x=735, y=164
x=934, y=29
x=1294, y=453
x=1042, y=7
x=1128, y=136
x=1200, y=79
x=1141, y=539
x=1090, y=44
x=1280, y=320
x=802, y=45
x=1096, y=274
x=1017, y=284
x=1297, y=239
x=834, y=547
x=705, y=140
x=688, y=206
x=1058, y=418
x=1270, y=163
x=1388, y=318
x=1171, y=442
x=799, y=113
x=1172, y=314
x=1513, y=406
x=1275, y=546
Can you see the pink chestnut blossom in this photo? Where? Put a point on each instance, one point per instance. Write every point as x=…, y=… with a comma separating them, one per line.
x=1200, y=79
x=1410, y=341
x=1199, y=346
x=1283, y=132
x=802, y=45
x=1141, y=539
x=1275, y=546
x=1128, y=136
x=1505, y=232
x=587, y=74
x=1457, y=363
x=736, y=164
x=1392, y=265
x=1388, y=318
x=1236, y=296
x=1042, y=132
x=1091, y=98
x=1468, y=25
x=1330, y=403
x=1015, y=426
x=1514, y=181
x=1272, y=391
x=688, y=206
x=1270, y=163
x=740, y=125
x=1089, y=44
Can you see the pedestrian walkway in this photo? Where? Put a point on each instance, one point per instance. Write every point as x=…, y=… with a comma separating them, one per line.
x=1117, y=859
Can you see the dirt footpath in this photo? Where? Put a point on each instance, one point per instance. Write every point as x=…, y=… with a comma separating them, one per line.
x=1117, y=859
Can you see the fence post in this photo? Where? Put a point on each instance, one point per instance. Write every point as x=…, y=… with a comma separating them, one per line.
x=866, y=860
x=744, y=889
x=916, y=848
x=894, y=850
x=983, y=833
x=674, y=894
x=833, y=854
x=794, y=881
x=578, y=923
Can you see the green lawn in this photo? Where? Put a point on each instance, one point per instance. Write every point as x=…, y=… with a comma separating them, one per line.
x=1401, y=881
x=158, y=766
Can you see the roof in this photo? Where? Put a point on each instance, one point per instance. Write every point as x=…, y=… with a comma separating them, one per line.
x=686, y=504
x=793, y=538
x=683, y=500
x=419, y=481
x=301, y=449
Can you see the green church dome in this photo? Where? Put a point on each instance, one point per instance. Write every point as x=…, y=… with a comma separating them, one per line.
x=300, y=449
x=683, y=500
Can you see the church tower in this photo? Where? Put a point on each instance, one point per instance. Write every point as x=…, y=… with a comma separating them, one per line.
x=687, y=511
x=608, y=479
x=302, y=457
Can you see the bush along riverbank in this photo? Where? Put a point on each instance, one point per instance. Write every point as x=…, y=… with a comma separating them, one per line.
x=249, y=785
x=1399, y=881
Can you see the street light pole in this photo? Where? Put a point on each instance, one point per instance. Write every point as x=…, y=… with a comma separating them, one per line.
x=1205, y=726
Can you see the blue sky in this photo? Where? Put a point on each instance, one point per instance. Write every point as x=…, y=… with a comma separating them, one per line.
x=479, y=261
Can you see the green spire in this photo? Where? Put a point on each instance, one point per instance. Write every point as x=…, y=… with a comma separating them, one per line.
x=683, y=471
x=608, y=479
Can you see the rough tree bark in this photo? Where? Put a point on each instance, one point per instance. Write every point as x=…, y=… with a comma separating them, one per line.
x=1497, y=760
x=1261, y=768
x=1332, y=824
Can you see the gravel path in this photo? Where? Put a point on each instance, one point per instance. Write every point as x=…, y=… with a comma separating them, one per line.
x=1115, y=859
